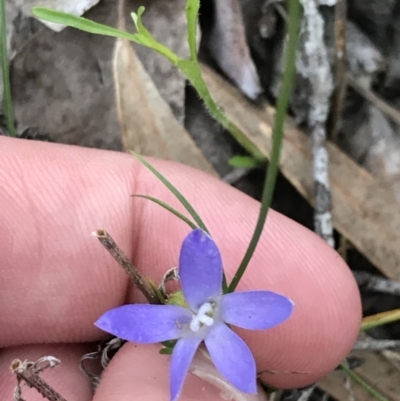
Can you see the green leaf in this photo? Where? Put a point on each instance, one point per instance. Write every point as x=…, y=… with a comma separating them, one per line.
x=148, y=40
x=168, y=347
x=81, y=23
x=177, y=298
x=137, y=20
x=169, y=208
x=244, y=162
x=143, y=38
x=192, y=11
x=166, y=351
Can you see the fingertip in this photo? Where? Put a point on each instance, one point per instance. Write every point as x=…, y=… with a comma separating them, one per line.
x=142, y=371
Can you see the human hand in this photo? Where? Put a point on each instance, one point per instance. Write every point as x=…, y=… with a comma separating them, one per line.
x=56, y=279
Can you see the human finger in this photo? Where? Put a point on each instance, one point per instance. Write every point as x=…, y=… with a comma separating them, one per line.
x=69, y=280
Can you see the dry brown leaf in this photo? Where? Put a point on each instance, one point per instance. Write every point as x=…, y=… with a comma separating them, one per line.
x=229, y=48
x=364, y=212
x=147, y=123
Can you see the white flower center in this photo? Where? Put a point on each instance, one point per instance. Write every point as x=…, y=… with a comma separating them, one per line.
x=202, y=317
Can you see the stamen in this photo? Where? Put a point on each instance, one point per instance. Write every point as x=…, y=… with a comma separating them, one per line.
x=195, y=324
x=201, y=318
x=206, y=307
x=207, y=320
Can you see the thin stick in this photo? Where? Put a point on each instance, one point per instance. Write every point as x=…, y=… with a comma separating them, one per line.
x=380, y=104
x=371, y=282
x=348, y=386
x=298, y=394
x=377, y=345
x=28, y=372
x=141, y=283
x=315, y=67
x=305, y=394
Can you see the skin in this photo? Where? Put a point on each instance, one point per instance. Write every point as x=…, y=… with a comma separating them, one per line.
x=56, y=279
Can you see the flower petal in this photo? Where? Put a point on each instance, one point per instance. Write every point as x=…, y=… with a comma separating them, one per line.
x=143, y=323
x=200, y=269
x=182, y=356
x=232, y=357
x=255, y=310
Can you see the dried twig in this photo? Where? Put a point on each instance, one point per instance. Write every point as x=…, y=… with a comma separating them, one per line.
x=141, y=283
x=314, y=65
x=348, y=386
x=111, y=346
x=391, y=355
x=377, y=345
x=371, y=282
x=170, y=275
x=325, y=397
x=298, y=394
x=379, y=103
x=340, y=68
x=28, y=372
x=229, y=48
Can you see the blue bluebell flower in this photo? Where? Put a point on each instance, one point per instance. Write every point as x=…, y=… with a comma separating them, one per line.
x=206, y=318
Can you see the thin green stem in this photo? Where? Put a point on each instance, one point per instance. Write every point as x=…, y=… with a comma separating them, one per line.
x=170, y=209
x=282, y=105
x=355, y=377
x=193, y=72
x=8, y=109
x=175, y=191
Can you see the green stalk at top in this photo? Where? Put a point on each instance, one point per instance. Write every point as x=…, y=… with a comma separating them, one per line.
x=8, y=110
x=281, y=109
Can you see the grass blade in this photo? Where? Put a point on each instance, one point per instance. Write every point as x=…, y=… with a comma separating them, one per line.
x=355, y=377
x=81, y=23
x=380, y=319
x=169, y=208
x=175, y=191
